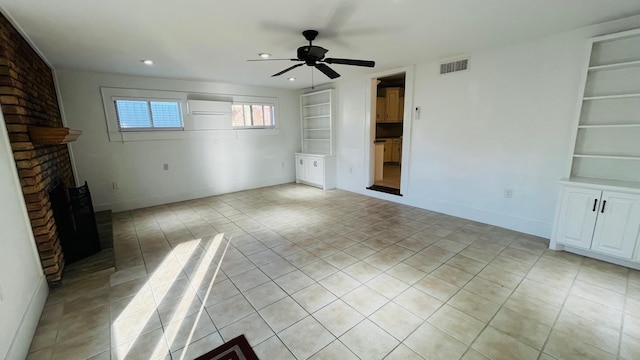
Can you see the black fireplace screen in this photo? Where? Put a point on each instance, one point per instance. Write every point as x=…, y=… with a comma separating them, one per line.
x=76, y=222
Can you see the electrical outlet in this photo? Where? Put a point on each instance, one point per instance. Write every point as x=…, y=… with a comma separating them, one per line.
x=282, y=165
x=115, y=185
x=508, y=193
x=351, y=169
x=165, y=167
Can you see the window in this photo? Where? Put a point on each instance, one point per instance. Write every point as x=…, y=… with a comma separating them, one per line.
x=250, y=116
x=148, y=114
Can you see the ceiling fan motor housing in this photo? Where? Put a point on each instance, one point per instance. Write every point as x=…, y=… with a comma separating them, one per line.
x=311, y=54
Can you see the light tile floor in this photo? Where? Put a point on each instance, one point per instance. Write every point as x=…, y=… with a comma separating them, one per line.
x=312, y=274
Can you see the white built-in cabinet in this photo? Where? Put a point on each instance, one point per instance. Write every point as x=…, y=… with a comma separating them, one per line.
x=598, y=211
x=315, y=164
x=603, y=221
x=315, y=170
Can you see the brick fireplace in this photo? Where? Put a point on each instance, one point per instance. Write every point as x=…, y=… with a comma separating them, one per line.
x=28, y=98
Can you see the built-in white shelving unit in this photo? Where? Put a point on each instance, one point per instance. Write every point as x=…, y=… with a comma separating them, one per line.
x=315, y=164
x=608, y=132
x=316, y=110
x=598, y=212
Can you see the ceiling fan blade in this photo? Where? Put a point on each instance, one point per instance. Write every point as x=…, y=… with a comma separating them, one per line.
x=287, y=69
x=327, y=70
x=367, y=63
x=274, y=60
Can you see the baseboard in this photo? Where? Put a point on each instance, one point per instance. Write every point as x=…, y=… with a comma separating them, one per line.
x=598, y=256
x=139, y=203
x=507, y=221
x=21, y=342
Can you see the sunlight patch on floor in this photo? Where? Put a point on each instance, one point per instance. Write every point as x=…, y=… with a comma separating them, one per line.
x=133, y=319
x=203, y=267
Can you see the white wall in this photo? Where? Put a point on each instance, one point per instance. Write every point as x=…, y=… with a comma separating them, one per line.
x=23, y=287
x=209, y=164
x=506, y=123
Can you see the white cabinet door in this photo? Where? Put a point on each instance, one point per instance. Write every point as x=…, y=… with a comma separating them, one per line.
x=302, y=168
x=316, y=170
x=578, y=214
x=618, y=224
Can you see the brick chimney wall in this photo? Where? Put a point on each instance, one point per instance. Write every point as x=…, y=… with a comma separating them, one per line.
x=28, y=97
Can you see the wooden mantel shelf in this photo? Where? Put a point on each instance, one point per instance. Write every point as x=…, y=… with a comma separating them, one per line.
x=52, y=135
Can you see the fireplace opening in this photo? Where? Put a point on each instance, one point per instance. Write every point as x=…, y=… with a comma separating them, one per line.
x=76, y=221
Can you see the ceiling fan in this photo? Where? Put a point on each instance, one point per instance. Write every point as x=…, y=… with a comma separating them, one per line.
x=314, y=56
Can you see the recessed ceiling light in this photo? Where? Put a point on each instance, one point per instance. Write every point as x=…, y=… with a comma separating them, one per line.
x=147, y=62
x=291, y=79
x=264, y=55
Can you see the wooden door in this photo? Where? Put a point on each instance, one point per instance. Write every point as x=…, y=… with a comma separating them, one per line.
x=388, y=144
x=393, y=104
x=395, y=151
x=380, y=109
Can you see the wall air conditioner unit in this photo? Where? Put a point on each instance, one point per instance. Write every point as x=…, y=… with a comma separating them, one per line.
x=209, y=115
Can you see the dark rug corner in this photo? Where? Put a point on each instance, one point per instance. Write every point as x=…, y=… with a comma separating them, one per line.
x=385, y=189
x=234, y=349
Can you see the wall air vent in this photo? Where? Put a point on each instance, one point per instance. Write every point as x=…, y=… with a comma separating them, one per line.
x=453, y=66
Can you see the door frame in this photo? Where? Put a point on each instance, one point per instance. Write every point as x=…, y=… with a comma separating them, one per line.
x=370, y=126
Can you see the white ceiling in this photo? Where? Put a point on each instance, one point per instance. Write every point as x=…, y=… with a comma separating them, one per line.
x=211, y=40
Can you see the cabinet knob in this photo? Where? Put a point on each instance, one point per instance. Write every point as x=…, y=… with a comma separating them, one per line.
x=604, y=203
x=315, y=164
x=300, y=161
x=595, y=203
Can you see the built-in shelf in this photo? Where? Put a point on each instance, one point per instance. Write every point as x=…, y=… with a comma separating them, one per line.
x=613, y=66
x=605, y=97
x=613, y=157
x=316, y=112
x=44, y=135
x=608, y=126
x=609, y=184
x=314, y=105
x=315, y=163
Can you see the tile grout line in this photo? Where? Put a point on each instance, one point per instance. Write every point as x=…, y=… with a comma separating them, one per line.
x=555, y=321
x=501, y=305
x=624, y=316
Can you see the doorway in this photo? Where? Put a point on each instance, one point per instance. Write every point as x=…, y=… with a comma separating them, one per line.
x=388, y=133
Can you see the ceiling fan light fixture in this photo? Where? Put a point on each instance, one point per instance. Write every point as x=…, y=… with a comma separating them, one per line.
x=291, y=79
x=147, y=62
x=264, y=55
